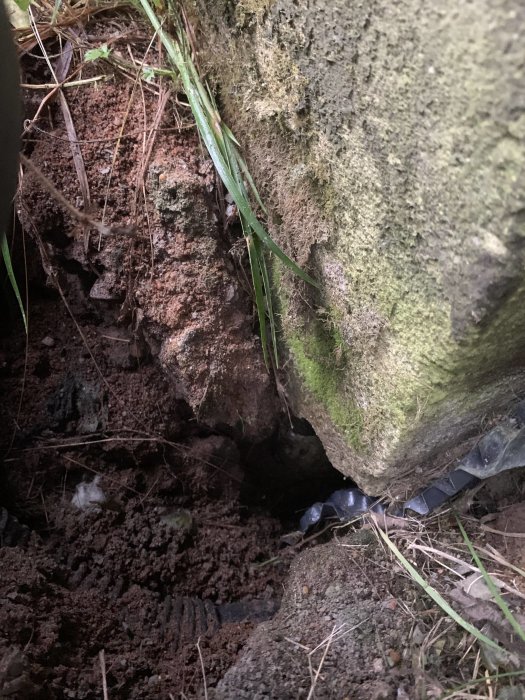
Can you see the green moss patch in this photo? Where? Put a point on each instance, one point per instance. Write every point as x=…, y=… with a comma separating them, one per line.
x=314, y=353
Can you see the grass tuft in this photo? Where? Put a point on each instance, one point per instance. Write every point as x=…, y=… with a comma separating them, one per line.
x=434, y=594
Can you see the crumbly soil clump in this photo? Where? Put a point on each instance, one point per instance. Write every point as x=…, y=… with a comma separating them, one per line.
x=354, y=624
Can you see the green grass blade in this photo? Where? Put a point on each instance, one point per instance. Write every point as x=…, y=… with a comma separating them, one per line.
x=10, y=273
x=274, y=248
x=231, y=168
x=250, y=181
x=435, y=595
x=213, y=143
x=233, y=161
x=258, y=289
x=228, y=133
x=269, y=305
x=263, y=303
x=491, y=585
x=56, y=10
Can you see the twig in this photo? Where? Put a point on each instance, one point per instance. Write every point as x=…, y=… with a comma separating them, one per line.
x=477, y=681
x=317, y=673
x=145, y=437
x=502, y=532
x=60, y=75
x=106, y=476
x=102, y=659
x=65, y=84
x=203, y=669
x=428, y=551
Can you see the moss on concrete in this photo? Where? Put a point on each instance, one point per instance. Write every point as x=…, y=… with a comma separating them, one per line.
x=389, y=143
x=314, y=355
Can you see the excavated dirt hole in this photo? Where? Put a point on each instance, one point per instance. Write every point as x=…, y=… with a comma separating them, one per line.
x=142, y=373
x=185, y=547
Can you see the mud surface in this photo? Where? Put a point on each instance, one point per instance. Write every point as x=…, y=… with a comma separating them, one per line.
x=152, y=570
x=506, y=533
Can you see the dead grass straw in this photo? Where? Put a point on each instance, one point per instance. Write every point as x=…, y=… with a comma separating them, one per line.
x=434, y=594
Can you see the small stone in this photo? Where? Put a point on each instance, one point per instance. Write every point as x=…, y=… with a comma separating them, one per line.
x=380, y=690
x=177, y=519
x=48, y=341
x=378, y=666
x=394, y=657
x=332, y=590
x=418, y=635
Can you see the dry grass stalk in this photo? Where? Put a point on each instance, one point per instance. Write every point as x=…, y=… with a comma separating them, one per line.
x=201, y=660
x=50, y=22
x=102, y=659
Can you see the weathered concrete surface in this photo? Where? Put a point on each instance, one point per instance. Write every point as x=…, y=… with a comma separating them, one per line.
x=389, y=139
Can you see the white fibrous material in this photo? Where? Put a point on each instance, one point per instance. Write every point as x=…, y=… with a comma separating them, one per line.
x=88, y=495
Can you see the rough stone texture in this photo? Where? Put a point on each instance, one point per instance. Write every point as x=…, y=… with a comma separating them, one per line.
x=389, y=138
x=201, y=322
x=339, y=621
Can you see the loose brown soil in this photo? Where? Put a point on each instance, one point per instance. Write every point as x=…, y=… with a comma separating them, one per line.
x=507, y=535
x=142, y=367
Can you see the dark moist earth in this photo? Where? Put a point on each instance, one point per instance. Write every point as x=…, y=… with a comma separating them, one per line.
x=142, y=374
x=142, y=577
